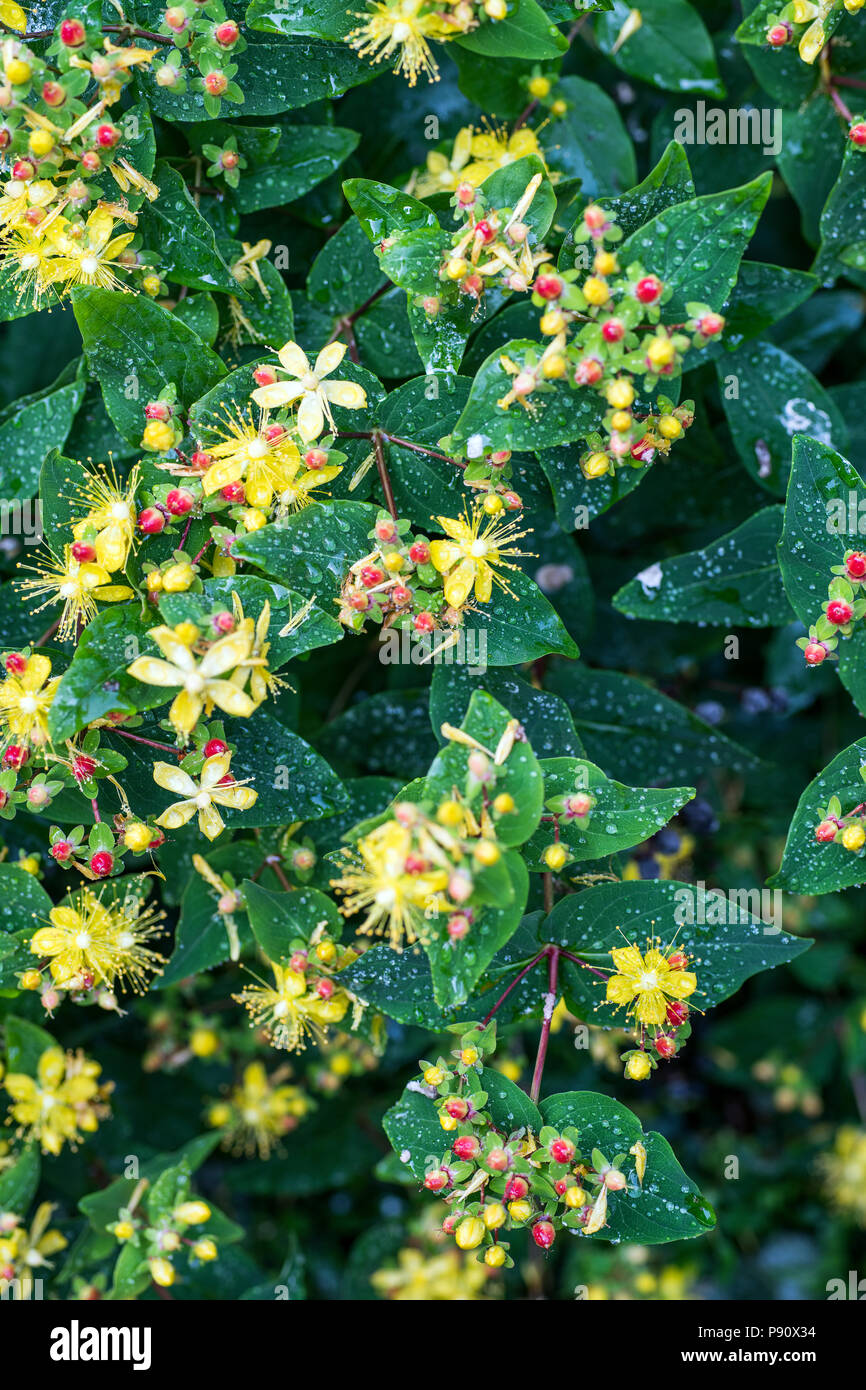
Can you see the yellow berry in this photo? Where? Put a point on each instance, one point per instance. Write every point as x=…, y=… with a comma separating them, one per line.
x=575, y=1197
x=503, y=804
x=495, y=9
x=605, y=263
x=434, y=1076
x=493, y=504
x=326, y=951
x=620, y=420
x=556, y=856
x=162, y=1273
x=170, y=1241
x=596, y=466
x=18, y=72
x=595, y=290
x=552, y=322
x=638, y=1067
x=219, y=1115
x=154, y=581
x=394, y=561
x=450, y=813
x=456, y=268
x=853, y=837
x=447, y=1122
x=469, y=1056
x=520, y=1210
x=31, y=979
x=538, y=87
x=341, y=1064
x=495, y=1216
x=512, y=1070
x=486, y=853
x=192, y=1213
x=559, y=107
x=554, y=367
x=670, y=427
x=620, y=394
x=151, y=285
x=158, y=435
x=253, y=519
x=137, y=837
x=123, y=1230
x=205, y=1249
x=495, y=1256
x=469, y=1233
x=177, y=579
x=30, y=864
x=186, y=633
x=203, y=1042
x=40, y=143
x=660, y=352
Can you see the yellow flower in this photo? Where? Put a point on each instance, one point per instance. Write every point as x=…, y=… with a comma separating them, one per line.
x=19, y=196
x=403, y=28
x=245, y=452
x=110, y=513
x=647, y=983
x=203, y=682
x=261, y=1112
x=204, y=796
x=448, y=1276
x=495, y=149
x=84, y=255
x=287, y=1011
x=443, y=173
x=61, y=1102
x=375, y=882
x=296, y=495
x=469, y=556
x=86, y=938
x=77, y=585
x=25, y=1250
x=262, y=681
x=25, y=700
x=310, y=387
x=844, y=1171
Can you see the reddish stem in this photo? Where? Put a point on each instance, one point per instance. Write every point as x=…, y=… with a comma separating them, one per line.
x=96, y=816
x=839, y=104
x=516, y=981
x=49, y=633
x=384, y=478
x=137, y=738
x=549, y=1005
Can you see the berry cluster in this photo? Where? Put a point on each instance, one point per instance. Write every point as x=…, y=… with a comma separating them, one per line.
x=808, y=24
x=497, y=1183
x=492, y=248
x=203, y=32
x=159, y=1228
x=848, y=830
x=841, y=611
x=576, y=807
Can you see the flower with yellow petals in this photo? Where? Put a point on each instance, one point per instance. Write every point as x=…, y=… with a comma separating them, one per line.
x=203, y=683
x=214, y=788
x=844, y=1170
x=262, y=681
x=289, y=1011
x=443, y=173
x=310, y=390
x=22, y=1251
x=448, y=1276
x=402, y=28
x=76, y=585
x=19, y=196
x=252, y=453
x=647, y=983
x=260, y=1112
x=25, y=699
x=84, y=255
x=59, y=1104
x=494, y=149
x=470, y=556
x=91, y=942
x=110, y=514
x=375, y=881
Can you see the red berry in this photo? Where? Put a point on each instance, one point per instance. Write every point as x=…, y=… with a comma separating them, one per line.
x=91, y=162
x=593, y=217
x=15, y=756
x=484, y=230
x=264, y=376
x=216, y=83
x=711, y=324
x=498, y=1160
x=589, y=371
x=815, y=653
x=857, y=133
x=415, y=864
x=472, y=284
x=315, y=458
x=548, y=286
x=438, y=1180
x=180, y=501
x=53, y=94
x=72, y=33
x=665, y=1045
x=562, y=1151
x=325, y=989
x=677, y=1012
x=273, y=433
x=465, y=195
x=458, y=926
x=102, y=863
x=227, y=34
x=61, y=850
x=778, y=34
x=358, y=601
x=678, y=960
x=371, y=575
x=856, y=565
x=612, y=330
x=839, y=612
x=298, y=962
x=157, y=410
x=400, y=594
x=107, y=136
x=826, y=831
x=224, y=622
x=516, y=1188
x=643, y=450
x=83, y=767
x=227, y=781
x=150, y=522
x=560, y=1187
x=214, y=746
x=419, y=553
x=233, y=492
x=385, y=529
x=229, y=159
x=201, y=461
x=648, y=289
x=457, y=1108
x=466, y=1147
x=543, y=1234
x=16, y=664
x=424, y=622
x=22, y=169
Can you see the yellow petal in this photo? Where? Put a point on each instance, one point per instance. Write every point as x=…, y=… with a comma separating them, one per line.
x=329, y=358
x=230, y=699
x=174, y=779
x=681, y=983
x=37, y=673
x=483, y=582
x=456, y=529
x=444, y=555
x=186, y=710
x=220, y=474
x=294, y=359
x=155, y=672
x=458, y=585
x=66, y=918
x=176, y=816
x=651, y=1007
x=47, y=942
x=628, y=960
x=345, y=393
x=236, y=798
x=620, y=990
x=279, y=394
x=227, y=653
x=311, y=420
x=215, y=768
x=177, y=652
x=210, y=822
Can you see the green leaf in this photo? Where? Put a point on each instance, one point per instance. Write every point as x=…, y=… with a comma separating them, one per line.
x=30, y=433
x=724, y=937
x=25, y=1044
x=670, y=182
x=96, y=679
x=174, y=228
x=621, y=817
x=733, y=582
x=810, y=158
x=24, y=903
x=134, y=349
x=545, y=718
x=810, y=867
x=776, y=398
x=560, y=414
x=456, y=966
x=306, y=155
x=201, y=941
x=516, y=627
x=19, y=1183
x=324, y=19
x=279, y=919
x=346, y=272
x=383, y=210
x=671, y=49
x=817, y=530
x=312, y=550
x=696, y=247
x=843, y=221
x=526, y=33
x=668, y=1206
x=591, y=143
